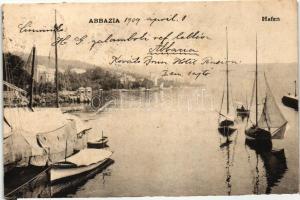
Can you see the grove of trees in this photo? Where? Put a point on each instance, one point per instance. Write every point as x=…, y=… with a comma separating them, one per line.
x=17, y=72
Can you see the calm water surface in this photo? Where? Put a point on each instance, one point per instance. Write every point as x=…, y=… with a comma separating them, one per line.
x=167, y=143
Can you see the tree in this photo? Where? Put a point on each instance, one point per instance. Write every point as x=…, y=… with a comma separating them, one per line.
x=14, y=71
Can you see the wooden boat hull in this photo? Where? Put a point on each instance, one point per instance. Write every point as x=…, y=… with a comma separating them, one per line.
x=258, y=134
x=242, y=113
x=97, y=145
x=61, y=188
x=226, y=130
x=290, y=102
x=226, y=127
x=60, y=174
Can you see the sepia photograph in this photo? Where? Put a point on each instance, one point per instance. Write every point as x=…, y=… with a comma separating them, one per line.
x=142, y=99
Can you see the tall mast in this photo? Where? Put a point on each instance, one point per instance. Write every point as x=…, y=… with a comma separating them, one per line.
x=227, y=81
x=32, y=74
x=256, y=82
x=295, y=88
x=56, y=65
x=66, y=149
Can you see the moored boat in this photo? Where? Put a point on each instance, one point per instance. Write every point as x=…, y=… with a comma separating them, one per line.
x=272, y=123
x=242, y=111
x=256, y=133
x=80, y=163
x=225, y=120
x=290, y=100
x=60, y=189
x=99, y=144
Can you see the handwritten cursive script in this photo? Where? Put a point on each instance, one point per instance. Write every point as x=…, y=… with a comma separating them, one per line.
x=169, y=49
x=111, y=39
x=27, y=27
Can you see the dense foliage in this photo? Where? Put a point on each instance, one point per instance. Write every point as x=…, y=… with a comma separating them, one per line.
x=15, y=72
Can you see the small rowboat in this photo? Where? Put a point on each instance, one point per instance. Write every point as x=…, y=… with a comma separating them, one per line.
x=242, y=112
x=78, y=164
x=290, y=101
x=102, y=143
x=99, y=144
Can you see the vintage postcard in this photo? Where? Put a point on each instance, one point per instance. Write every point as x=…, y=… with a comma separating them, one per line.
x=150, y=99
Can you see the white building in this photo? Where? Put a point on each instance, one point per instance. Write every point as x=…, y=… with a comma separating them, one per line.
x=125, y=79
x=44, y=74
x=84, y=94
x=78, y=70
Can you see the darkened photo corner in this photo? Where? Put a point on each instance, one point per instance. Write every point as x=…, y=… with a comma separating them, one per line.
x=150, y=99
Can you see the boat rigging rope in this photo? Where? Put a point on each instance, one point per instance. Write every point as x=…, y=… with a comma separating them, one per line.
x=251, y=101
x=221, y=104
x=231, y=97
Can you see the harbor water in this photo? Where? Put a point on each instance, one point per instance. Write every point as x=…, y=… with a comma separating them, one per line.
x=160, y=149
x=166, y=143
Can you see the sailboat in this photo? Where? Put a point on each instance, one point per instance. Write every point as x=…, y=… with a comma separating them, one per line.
x=291, y=100
x=272, y=123
x=226, y=122
x=99, y=144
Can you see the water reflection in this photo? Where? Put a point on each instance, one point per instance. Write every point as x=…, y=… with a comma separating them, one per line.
x=228, y=141
x=162, y=121
x=242, y=117
x=274, y=163
x=179, y=99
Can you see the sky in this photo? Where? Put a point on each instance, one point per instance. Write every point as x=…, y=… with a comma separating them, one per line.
x=277, y=41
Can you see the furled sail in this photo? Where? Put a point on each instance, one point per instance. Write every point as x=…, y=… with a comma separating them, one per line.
x=44, y=142
x=271, y=116
x=28, y=64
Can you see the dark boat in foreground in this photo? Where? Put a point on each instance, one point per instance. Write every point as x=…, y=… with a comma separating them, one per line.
x=256, y=133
